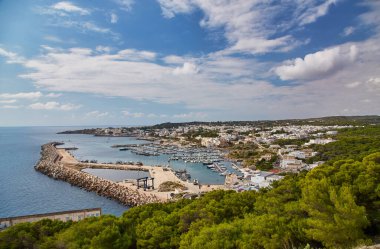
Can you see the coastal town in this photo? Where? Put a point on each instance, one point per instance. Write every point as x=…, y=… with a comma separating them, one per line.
x=250, y=157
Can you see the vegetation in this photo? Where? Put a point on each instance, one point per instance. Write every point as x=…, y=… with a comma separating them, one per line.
x=336, y=205
x=298, y=142
x=243, y=151
x=266, y=165
x=354, y=143
x=201, y=132
x=170, y=186
x=334, y=120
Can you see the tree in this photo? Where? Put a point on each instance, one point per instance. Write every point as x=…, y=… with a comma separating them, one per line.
x=334, y=218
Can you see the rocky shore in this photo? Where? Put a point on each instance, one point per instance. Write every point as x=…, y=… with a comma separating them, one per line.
x=50, y=165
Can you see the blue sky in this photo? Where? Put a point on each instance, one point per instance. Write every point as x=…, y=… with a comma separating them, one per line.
x=132, y=62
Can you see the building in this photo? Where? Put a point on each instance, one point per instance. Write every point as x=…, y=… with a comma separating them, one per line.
x=290, y=163
x=264, y=179
x=74, y=215
x=210, y=142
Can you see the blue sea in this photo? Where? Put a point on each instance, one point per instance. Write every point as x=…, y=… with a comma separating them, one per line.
x=24, y=191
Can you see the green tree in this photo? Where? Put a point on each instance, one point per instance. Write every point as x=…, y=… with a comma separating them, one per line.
x=334, y=218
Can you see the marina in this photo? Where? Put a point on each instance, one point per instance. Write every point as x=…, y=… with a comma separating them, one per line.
x=211, y=159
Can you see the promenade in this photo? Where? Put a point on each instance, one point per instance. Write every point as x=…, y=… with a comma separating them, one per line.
x=60, y=164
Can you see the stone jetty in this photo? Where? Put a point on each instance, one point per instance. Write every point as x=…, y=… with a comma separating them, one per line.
x=50, y=164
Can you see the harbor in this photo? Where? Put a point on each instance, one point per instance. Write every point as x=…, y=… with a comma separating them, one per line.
x=208, y=158
x=59, y=164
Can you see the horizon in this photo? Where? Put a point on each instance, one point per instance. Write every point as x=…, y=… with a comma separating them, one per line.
x=155, y=61
x=186, y=122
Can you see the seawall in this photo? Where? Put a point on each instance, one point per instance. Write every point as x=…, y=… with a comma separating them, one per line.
x=50, y=164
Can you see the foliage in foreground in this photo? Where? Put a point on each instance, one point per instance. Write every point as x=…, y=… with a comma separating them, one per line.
x=336, y=205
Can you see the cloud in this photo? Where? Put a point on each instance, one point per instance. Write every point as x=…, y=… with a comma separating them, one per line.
x=103, y=49
x=70, y=7
x=53, y=38
x=113, y=18
x=133, y=114
x=311, y=13
x=53, y=95
x=187, y=68
x=353, y=84
x=125, y=5
x=348, y=31
x=137, y=74
x=224, y=86
x=10, y=106
x=52, y=105
x=85, y=27
x=171, y=7
x=374, y=84
x=191, y=116
x=372, y=17
x=93, y=27
x=8, y=101
x=97, y=114
x=135, y=55
x=21, y=95
x=11, y=57
x=252, y=26
x=317, y=65
x=173, y=59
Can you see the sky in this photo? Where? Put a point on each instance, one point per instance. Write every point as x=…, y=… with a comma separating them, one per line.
x=141, y=62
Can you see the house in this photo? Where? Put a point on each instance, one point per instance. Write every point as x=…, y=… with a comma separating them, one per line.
x=290, y=163
x=264, y=179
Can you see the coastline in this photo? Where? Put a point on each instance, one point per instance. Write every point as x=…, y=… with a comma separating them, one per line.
x=59, y=164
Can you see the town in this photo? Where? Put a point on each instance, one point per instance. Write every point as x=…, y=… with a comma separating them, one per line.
x=258, y=154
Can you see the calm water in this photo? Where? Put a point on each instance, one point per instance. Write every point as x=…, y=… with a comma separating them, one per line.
x=24, y=191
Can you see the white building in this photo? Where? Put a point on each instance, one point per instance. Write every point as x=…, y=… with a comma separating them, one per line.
x=264, y=179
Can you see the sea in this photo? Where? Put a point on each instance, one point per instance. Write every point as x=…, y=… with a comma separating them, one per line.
x=24, y=191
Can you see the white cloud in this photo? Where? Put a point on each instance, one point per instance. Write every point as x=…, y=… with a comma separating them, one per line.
x=70, y=7
x=53, y=95
x=171, y=7
x=103, y=49
x=93, y=27
x=225, y=84
x=372, y=17
x=311, y=13
x=135, y=55
x=97, y=114
x=125, y=5
x=173, y=59
x=348, y=31
x=22, y=95
x=191, y=116
x=11, y=57
x=133, y=114
x=374, y=84
x=353, y=84
x=113, y=18
x=52, y=105
x=187, y=68
x=252, y=26
x=317, y=65
x=83, y=26
x=52, y=38
x=8, y=101
x=10, y=106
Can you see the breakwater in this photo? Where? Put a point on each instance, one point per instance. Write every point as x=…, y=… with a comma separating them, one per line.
x=50, y=164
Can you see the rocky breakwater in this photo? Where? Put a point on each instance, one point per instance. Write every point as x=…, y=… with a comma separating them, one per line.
x=51, y=165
